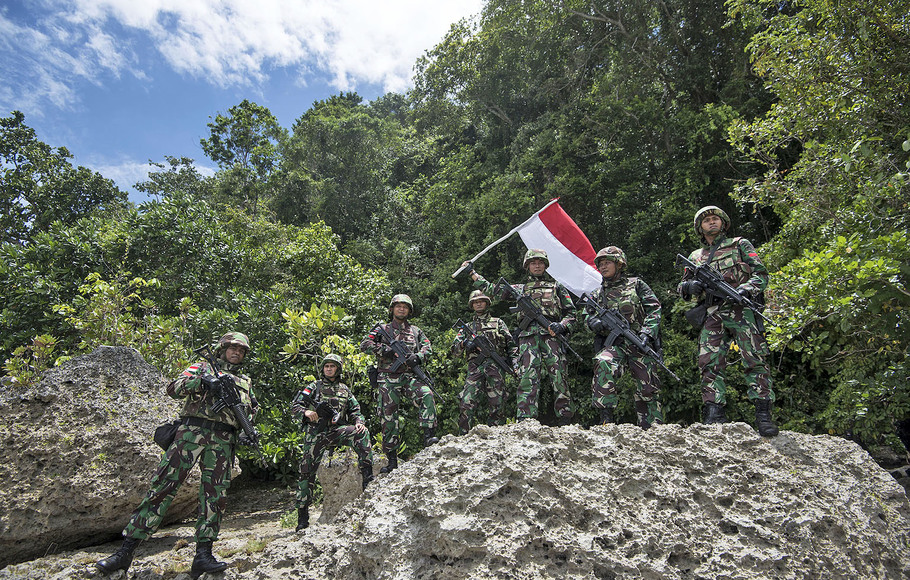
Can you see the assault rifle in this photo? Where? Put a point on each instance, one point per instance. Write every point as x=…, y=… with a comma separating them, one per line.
x=716, y=286
x=530, y=313
x=226, y=395
x=485, y=346
x=617, y=326
x=327, y=415
x=401, y=357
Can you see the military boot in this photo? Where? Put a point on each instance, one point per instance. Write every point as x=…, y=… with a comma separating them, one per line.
x=303, y=517
x=119, y=560
x=429, y=436
x=714, y=414
x=393, y=462
x=366, y=472
x=205, y=562
x=606, y=416
x=766, y=426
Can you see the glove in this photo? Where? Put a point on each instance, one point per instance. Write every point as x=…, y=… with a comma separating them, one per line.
x=557, y=328
x=386, y=351
x=596, y=324
x=744, y=292
x=212, y=384
x=413, y=360
x=691, y=288
x=469, y=346
x=645, y=339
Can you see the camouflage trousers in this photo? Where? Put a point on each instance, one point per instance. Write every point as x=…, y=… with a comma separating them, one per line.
x=541, y=355
x=486, y=378
x=392, y=390
x=214, y=453
x=315, y=446
x=724, y=326
x=609, y=366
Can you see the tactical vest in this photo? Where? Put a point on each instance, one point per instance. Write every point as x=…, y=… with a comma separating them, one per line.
x=727, y=260
x=544, y=294
x=200, y=404
x=623, y=296
x=335, y=394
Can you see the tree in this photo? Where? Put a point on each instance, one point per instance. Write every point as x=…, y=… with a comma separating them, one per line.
x=40, y=186
x=180, y=177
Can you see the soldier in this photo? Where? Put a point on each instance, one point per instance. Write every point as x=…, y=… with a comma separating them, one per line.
x=737, y=262
x=539, y=351
x=483, y=374
x=638, y=304
x=205, y=437
x=403, y=383
x=342, y=423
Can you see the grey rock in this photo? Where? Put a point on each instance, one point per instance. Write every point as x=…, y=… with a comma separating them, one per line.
x=77, y=453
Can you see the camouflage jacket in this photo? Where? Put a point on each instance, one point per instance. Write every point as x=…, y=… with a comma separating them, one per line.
x=494, y=329
x=339, y=397
x=634, y=299
x=197, y=402
x=547, y=294
x=737, y=262
x=414, y=338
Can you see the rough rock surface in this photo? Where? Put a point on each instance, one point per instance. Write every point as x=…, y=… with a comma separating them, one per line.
x=529, y=501
x=339, y=476
x=77, y=453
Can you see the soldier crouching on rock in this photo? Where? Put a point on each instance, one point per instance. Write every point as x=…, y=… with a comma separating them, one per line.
x=205, y=437
x=332, y=418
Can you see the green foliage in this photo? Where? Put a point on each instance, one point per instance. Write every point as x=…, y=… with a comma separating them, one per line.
x=28, y=362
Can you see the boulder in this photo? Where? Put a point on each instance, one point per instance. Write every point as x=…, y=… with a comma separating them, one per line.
x=77, y=453
x=339, y=476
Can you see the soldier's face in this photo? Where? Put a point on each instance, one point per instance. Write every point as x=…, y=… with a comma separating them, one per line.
x=330, y=370
x=712, y=225
x=607, y=268
x=401, y=310
x=234, y=354
x=537, y=266
x=479, y=306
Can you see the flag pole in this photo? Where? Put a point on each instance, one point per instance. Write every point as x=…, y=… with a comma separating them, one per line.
x=500, y=240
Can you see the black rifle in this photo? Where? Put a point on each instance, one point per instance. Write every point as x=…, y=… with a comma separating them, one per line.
x=485, y=346
x=530, y=312
x=617, y=326
x=226, y=396
x=401, y=357
x=716, y=286
x=327, y=415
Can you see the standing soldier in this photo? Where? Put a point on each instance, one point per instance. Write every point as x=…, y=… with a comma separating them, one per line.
x=205, y=437
x=539, y=351
x=393, y=386
x=332, y=418
x=483, y=372
x=735, y=259
x=640, y=307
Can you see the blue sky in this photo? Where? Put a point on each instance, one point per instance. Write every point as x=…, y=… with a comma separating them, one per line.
x=120, y=82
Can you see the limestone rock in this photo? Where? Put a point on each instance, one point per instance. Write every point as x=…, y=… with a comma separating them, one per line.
x=77, y=453
x=339, y=475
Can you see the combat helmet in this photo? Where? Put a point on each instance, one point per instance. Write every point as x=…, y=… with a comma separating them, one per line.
x=612, y=253
x=710, y=210
x=402, y=299
x=230, y=338
x=534, y=253
x=333, y=358
x=478, y=295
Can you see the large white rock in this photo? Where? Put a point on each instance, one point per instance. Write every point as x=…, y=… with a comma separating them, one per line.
x=77, y=456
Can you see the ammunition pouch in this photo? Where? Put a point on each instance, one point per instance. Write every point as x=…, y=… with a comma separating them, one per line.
x=697, y=316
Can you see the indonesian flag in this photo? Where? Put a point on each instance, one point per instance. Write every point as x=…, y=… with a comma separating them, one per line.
x=570, y=253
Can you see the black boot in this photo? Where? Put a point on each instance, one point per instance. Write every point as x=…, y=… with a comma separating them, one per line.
x=204, y=561
x=366, y=472
x=393, y=462
x=429, y=436
x=766, y=426
x=119, y=560
x=714, y=414
x=606, y=415
x=303, y=518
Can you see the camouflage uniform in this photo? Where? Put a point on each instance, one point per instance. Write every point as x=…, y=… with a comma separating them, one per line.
x=638, y=304
x=738, y=263
x=540, y=354
x=341, y=431
x=208, y=439
x=394, y=387
x=484, y=373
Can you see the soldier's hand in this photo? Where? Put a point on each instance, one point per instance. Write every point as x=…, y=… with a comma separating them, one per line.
x=469, y=346
x=691, y=288
x=556, y=328
x=386, y=351
x=311, y=416
x=596, y=324
x=359, y=428
x=744, y=292
x=645, y=339
x=413, y=360
x=211, y=384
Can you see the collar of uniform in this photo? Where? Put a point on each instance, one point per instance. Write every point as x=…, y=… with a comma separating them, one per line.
x=482, y=317
x=542, y=278
x=614, y=281
x=400, y=325
x=225, y=366
x=720, y=239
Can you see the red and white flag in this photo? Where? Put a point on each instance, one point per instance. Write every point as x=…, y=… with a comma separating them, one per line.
x=570, y=253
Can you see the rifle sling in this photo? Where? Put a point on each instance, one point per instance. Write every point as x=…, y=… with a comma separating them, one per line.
x=209, y=424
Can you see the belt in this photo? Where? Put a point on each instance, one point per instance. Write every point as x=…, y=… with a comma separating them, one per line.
x=208, y=424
